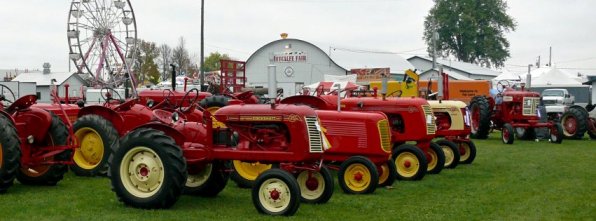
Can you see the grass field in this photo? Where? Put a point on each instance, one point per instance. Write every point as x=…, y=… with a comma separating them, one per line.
x=524, y=181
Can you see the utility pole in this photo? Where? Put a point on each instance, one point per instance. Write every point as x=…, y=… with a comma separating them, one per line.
x=435, y=39
x=202, y=44
x=550, y=56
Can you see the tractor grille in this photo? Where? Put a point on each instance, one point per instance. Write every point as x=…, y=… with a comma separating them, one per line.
x=431, y=127
x=385, y=133
x=314, y=135
x=530, y=106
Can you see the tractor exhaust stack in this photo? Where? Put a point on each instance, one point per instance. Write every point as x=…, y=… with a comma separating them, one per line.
x=173, y=77
x=271, y=70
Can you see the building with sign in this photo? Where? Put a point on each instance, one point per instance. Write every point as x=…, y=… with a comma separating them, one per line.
x=298, y=63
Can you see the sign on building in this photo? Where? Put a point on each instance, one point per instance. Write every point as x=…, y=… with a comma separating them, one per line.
x=370, y=74
x=290, y=57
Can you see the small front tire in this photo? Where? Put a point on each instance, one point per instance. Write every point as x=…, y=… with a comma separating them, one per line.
x=276, y=192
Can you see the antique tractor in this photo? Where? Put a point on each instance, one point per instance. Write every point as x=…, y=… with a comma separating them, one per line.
x=35, y=155
x=157, y=161
x=453, y=125
x=513, y=112
x=360, y=156
x=410, y=120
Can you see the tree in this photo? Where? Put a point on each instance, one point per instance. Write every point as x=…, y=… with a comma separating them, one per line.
x=148, y=71
x=180, y=56
x=212, y=61
x=165, y=60
x=472, y=31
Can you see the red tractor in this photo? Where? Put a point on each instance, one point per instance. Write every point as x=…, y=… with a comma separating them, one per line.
x=513, y=112
x=411, y=120
x=157, y=161
x=35, y=146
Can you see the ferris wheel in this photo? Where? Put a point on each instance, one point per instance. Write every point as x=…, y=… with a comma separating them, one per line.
x=102, y=37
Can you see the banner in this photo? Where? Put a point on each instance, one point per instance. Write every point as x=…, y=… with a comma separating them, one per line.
x=370, y=74
x=290, y=57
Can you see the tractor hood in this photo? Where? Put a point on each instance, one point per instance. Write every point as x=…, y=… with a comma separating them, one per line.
x=264, y=112
x=447, y=104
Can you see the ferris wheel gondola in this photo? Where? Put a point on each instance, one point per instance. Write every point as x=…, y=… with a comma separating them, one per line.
x=102, y=37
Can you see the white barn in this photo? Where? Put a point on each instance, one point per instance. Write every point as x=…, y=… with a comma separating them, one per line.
x=43, y=80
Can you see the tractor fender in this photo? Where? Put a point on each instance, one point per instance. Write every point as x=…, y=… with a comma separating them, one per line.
x=314, y=102
x=178, y=137
x=581, y=109
x=33, y=121
x=106, y=113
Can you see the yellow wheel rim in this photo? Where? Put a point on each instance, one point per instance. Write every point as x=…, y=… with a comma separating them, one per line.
x=311, y=187
x=449, y=155
x=274, y=195
x=384, y=173
x=90, y=151
x=215, y=123
x=250, y=171
x=357, y=177
x=142, y=172
x=407, y=164
x=432, y=162
x=464, y=150
x=198, y=179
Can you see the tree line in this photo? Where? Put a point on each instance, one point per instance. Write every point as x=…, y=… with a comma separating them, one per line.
x=153, y=61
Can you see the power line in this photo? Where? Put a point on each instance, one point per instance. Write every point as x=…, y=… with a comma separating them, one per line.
x=376, y=51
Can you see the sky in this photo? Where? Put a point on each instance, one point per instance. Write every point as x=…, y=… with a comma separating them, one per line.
x=34, y=31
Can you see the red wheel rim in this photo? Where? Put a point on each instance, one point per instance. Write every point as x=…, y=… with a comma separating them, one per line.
x=475, y=118
x=506, y=134
x=570, y=124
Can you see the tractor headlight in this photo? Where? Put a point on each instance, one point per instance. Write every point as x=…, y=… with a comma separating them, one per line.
x=175, y=117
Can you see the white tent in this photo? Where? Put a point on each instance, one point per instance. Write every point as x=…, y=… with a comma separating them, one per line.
x=538, y=72
x=507, y=75
x=554, y=77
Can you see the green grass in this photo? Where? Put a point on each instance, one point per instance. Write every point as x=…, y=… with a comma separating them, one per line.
x=524, y=181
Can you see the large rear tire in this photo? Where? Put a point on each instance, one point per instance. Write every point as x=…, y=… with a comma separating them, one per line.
x=358, y=175
x=276, y=192
x=575, y=122
x=451, y=151
x=410, y=162
x=480, y=114
x=96, y=136
x=48, y=174
x=10, y=153
x=148, y=170
x=315, y=187
x=208, y=182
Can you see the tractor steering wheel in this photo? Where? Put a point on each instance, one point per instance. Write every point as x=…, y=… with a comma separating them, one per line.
x=191, y=102
x=108, y=96
x=3, y=97
x=397, y=92
x=502, y=84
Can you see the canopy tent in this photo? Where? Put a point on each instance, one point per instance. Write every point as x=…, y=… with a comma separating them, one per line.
x=554, y=77
x=507, y=75
x=539, y=72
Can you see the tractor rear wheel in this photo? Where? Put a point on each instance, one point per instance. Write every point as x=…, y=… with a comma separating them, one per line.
x=556, y=133
x=451, y=151
x=276, y=192
x=525, y=133
x=436, y=163
x=208, y=182
x=467, y=150
x=148, y=170
x=575, y=122
x=480, y=113
x=507, y=134
x=315, y=186
x=48, y=174
x=358, y=175
x=10, y=153
x=96, y=136
x=245, y=174
x=410, y=162
x=387, y=173
x=592, y=128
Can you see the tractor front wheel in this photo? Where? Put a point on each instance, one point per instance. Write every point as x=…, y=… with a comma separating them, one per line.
x=148, y=170
x=467, y=150
x=410, y=162
x=358, y=175
x=276, y=192
x=10, y=153
x=556, y=133
x=48, y=174
x=208, y=181
x=387, y=173
x=452, y=155
x=96, y=136
x=315, y=187
x=507, y=134
x=436, y=163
